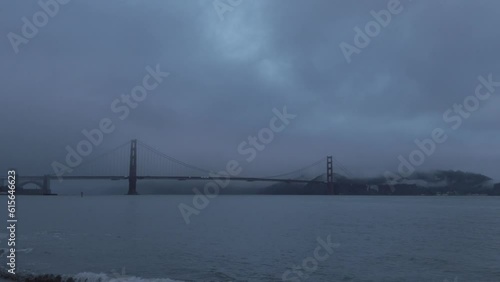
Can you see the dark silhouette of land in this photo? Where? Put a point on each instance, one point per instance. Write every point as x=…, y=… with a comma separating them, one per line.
x=429, y=184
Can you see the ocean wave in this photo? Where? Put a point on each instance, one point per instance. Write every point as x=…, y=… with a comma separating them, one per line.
x=4, y=251
x=102, y=277
x=80, y=277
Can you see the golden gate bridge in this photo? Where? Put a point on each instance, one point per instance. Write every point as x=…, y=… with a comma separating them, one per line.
x=136, y=160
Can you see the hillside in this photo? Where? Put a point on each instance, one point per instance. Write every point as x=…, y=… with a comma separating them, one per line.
x=422, y=183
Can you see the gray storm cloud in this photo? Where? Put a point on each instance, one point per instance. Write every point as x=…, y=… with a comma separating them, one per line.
x=226, y=76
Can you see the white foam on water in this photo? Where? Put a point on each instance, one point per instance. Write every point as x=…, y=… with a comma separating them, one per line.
x=4, y=251
x=27, y=250
x=102, y=277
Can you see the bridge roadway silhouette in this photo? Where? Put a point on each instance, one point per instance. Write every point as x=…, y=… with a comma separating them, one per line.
x=43, y=182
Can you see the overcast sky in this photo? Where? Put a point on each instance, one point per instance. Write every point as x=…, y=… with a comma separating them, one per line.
x=226, y=76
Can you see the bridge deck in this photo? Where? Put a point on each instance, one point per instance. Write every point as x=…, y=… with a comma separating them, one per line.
x=181, y=178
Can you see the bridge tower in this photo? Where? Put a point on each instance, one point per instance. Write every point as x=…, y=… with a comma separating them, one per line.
x=132, y=175
x=329, y=175
x=46, y=185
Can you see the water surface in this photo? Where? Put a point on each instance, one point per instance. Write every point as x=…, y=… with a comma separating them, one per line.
x=258, y=238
